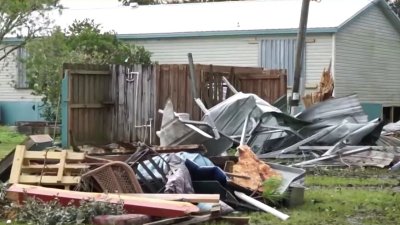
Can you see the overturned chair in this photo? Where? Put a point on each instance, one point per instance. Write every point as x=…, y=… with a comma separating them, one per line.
x=114, y=177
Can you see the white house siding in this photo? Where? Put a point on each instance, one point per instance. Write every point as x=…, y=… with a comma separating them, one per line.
x=367, y=59
x=8, y=75
x=318, y=56
x=15, y=104
x=237, y=51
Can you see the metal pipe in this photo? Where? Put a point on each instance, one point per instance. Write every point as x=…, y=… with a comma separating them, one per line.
x=244, y=131
x=230, y=86
x=192, y=76
x=351, y=152
x=261, y=205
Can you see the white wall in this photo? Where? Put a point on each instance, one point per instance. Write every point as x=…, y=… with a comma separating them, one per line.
x=8, y=73
x=218, y=51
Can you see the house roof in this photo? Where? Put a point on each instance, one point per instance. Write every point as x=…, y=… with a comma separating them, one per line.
x=254, y=17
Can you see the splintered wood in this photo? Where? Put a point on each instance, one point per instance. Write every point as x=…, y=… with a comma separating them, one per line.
x=250, y=165
x=324, y=92
x=47, y=167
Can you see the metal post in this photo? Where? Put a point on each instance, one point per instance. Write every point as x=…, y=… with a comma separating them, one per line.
x=192, y=76
x=299, y=55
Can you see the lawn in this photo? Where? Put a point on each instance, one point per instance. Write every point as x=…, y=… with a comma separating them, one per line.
x=343, y=197
x=8, y=140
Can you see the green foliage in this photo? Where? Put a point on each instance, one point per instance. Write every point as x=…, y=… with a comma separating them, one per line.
x=3, y=200
x=270, y=189
x=395, y=6
x=35, y=211
x=82, y=42
x=23, y=19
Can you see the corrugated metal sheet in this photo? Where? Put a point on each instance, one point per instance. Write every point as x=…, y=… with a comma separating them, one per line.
x=280, y=54
x=367, y=54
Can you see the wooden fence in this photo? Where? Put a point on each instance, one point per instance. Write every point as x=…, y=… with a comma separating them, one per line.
x=105, y=104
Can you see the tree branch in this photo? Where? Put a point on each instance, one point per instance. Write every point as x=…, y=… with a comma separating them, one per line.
x=9, y=51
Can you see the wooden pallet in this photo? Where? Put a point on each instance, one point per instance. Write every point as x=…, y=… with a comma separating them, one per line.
x=47, y=167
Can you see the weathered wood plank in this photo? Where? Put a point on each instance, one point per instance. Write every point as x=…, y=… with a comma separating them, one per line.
x=148, y=206
x=89, y=72
x=52, y=155
x=121, y=104
x=61, y=166
x=49, y=180
x=193, y=198
x=17, y=164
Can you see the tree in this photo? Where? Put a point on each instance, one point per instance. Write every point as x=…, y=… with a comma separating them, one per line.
x=82, y=42
x=23, y=19
x=395, y=6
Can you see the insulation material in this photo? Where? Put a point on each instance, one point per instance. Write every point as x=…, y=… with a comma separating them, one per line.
x=250, y=165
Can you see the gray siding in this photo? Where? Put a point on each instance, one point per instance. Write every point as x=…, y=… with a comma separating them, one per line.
x=367, y=59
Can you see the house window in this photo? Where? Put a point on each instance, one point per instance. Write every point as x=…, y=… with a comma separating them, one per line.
x=280, y=54
x=21, y=82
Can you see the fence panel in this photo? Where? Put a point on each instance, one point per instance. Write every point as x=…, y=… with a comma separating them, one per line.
x=120, y=103
x=88, y=113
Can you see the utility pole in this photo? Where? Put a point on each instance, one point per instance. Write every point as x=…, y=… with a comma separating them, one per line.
x=301, y=35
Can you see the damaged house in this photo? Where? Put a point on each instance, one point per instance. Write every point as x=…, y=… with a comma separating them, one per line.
x=359, y=37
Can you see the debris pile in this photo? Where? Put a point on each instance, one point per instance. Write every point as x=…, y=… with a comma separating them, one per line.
x=245, y=154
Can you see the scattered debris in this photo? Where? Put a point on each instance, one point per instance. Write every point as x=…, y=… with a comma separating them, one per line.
x=190, y=178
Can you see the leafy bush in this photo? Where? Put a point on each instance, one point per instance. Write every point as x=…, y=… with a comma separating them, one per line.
x=35, y=211
x=271, y=190
x=83, y=42
x=3, y=200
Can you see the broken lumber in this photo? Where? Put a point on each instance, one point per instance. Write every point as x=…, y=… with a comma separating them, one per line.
x=46, y=167
x=193, y=198
x=137, y=205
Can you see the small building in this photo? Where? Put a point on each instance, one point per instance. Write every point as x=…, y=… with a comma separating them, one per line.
x=360, y=38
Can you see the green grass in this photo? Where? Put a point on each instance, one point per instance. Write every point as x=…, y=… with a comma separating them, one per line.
x=9, y=139
x=327, y=181
x=342, y=197
x=340, y=206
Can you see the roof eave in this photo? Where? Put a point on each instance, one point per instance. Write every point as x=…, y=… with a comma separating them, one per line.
x=177, y=35
x=222, y=33
x=385, y=8
x=389, y=13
